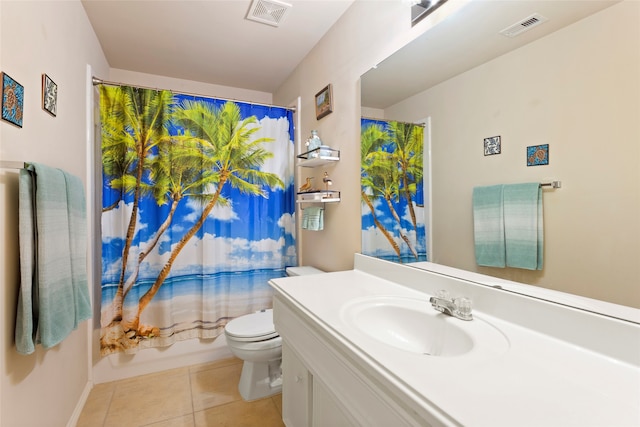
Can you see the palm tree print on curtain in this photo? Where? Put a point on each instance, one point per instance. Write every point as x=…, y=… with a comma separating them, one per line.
x=393, y=220
x=198, y=214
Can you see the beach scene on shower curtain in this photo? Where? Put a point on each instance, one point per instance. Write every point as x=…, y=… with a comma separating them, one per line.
x=392, y=190
x=198, y=214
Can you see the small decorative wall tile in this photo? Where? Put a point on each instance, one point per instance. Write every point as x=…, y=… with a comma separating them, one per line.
x=12, y=100
x=492, y=145
x=49, y=95
x=538, y=155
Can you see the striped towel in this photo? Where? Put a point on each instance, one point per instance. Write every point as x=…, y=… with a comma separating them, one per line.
x=508, y=226
x=313, y=218
x=523, y=225
x=53, y=296
x=488, y=226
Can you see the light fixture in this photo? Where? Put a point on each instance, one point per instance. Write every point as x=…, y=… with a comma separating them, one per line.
x=422, y=8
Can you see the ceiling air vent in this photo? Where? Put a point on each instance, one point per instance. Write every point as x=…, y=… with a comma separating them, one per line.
x=524, y=25
x=270, y=12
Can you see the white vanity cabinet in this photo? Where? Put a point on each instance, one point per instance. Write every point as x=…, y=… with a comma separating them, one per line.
x=325, y=386
x=522, y=361
x=297, y=383
x=307, y=402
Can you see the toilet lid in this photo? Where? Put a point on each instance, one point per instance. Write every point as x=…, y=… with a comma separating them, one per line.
x=257, y=325
x=302, y=271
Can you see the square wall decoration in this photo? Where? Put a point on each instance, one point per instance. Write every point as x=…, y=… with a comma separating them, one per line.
x=12, y=100
x=324, y=102
x=492, y=145
x=538, y=155
x=49, y=95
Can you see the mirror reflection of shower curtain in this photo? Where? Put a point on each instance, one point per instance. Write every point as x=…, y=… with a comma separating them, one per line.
x=392, y=190
x=198, y=214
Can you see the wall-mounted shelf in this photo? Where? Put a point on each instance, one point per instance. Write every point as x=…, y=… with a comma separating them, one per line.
x=318, y=157
x=319, y=197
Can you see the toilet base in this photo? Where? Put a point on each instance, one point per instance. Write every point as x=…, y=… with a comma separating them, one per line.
x=260, y=379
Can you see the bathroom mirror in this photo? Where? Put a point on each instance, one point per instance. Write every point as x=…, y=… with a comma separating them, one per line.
x=469, y=45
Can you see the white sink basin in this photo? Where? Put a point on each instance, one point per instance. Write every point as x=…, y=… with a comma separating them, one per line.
x=413, y=325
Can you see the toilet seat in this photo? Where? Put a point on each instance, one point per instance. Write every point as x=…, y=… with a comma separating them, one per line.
x=257, y=326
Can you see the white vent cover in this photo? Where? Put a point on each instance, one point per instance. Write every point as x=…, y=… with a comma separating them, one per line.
x=270, y=12
x=524, y=25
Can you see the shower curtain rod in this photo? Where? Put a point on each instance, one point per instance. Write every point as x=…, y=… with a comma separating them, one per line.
x=399, y=121
x=96, y=81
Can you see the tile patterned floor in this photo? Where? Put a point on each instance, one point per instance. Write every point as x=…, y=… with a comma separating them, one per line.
x=195, y=396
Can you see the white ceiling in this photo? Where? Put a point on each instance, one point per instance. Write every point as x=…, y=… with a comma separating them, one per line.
x=210, y=40
x=465, y=39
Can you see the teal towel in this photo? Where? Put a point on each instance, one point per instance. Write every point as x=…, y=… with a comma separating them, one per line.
x=523, y=225
x=508, y=226
x=53, y=296
x=488, y=226
x=313, y=218
x=27, y=311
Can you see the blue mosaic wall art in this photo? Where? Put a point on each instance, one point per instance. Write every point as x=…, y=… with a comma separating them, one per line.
x=538, y=155
x=12, y=100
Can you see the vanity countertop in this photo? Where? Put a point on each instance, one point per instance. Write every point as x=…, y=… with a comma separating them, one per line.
x=532, y=379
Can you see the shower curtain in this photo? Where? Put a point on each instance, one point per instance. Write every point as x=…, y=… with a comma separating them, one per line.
x=392, y=190
x=198, y=214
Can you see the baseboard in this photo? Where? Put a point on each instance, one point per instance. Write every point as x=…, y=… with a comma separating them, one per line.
x=75, y=416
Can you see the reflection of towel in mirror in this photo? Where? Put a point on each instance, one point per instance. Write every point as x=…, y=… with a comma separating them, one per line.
x=508, y=227
x=523, y=226
x=488, y=226
x=53, y=297
x=313, y=218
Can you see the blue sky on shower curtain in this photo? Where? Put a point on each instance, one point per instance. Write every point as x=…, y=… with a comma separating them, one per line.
x=223, y=270
x=411, y=241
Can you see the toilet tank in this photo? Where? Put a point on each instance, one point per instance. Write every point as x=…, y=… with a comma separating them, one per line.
x=302, y=271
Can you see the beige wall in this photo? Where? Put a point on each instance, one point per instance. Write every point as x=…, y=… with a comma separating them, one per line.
x=45, y=388
x=367, y=33
x=577, y=90
x=187, y=86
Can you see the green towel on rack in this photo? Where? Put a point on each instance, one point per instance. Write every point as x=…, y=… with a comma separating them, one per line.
x=313, y=218
x=53, y=296
x=27, y=310
x=508, y=226
x=488, y=226
x=523, y=225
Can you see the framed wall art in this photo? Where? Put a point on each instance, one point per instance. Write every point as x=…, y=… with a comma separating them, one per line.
x=492, y=145
x=538, y=155
x=49, y=95
x=324, y=103
x=12, y=100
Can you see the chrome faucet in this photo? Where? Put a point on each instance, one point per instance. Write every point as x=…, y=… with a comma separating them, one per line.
x=457, y=307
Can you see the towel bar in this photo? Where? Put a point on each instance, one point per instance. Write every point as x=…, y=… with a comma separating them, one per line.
x=8, y=164
x=552, y=184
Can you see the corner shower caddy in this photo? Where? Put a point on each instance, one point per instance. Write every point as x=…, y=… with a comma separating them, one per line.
x=312, y=159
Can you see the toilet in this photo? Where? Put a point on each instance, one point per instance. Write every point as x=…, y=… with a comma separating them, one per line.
x=253, y=338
